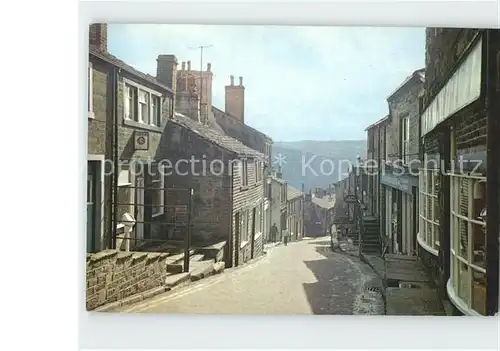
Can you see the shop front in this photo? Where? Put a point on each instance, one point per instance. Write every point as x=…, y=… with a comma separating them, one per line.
x=399, y=212
x=453, y=192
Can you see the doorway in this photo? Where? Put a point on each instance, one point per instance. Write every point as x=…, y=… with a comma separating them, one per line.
x=93, y=206
x=139, y=209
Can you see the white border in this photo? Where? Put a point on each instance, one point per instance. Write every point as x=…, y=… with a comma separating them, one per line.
x=48, y=265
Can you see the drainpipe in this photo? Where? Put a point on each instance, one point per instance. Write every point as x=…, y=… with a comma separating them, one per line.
x=114, y=195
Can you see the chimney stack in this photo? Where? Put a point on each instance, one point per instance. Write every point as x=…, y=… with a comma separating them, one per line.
x=235, y=100
x=98, y=36
x=189, y=65
x=166, y=72
x=183, y=66
x=209, y=67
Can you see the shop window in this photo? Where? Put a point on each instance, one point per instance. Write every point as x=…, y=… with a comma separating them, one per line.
x=468, y=241
x=429, y=209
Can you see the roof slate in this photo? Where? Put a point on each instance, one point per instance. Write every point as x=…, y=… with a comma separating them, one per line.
x=94, y=50
x=292, y=193
x=207, y=133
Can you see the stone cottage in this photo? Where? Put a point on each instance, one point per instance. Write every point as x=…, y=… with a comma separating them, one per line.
x=127, y=112
x=227, y=183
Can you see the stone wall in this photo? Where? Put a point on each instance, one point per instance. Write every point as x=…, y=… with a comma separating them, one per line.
x=211, y=205
x=113, y=275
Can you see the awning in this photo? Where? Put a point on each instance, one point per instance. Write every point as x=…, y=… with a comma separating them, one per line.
x=463, y=88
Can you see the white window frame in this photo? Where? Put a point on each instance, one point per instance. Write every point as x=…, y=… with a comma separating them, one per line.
x=244, y=227
x=244, y=172
x=161, y=206
x=463, y=284
x=150, y=94
x=405, y=135
x=124, y=170
x=90, y=91
x=428, y=239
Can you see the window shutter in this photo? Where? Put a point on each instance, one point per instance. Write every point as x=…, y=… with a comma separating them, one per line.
x=126, y=104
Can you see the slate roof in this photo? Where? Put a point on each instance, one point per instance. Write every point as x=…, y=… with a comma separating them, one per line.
x=420, y=74
x=324, y=202
x=377, y=123
x=94, y=50
x=292, y=193
x=279, y=180
x=207, y=133
x=238, y=121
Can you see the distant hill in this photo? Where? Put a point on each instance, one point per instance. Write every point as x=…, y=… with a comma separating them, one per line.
x=328, y=160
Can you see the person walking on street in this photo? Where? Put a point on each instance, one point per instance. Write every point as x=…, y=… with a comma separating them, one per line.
x=274, y=232
x=285, y=239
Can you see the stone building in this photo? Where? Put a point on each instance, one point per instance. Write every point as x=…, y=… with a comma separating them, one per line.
x=399, y=174
x=226, y=175
x=460, y=157
x=277, y=195
x=295, y=214
x=128, y=111
x=227, y=183
x=376, y=156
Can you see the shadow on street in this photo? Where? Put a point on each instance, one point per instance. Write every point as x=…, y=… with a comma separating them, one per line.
x=337, y=283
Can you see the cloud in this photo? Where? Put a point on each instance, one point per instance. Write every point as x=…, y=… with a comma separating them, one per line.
x=301, y=82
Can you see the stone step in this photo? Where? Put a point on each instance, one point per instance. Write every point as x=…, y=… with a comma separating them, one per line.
x=196, y=258
x=200, y=270
x=177, y=279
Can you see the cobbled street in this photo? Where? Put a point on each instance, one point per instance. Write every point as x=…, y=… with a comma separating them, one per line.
x=305, y=277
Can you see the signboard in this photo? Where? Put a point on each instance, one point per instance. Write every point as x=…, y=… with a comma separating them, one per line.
x=350, y=199
x=141, y=140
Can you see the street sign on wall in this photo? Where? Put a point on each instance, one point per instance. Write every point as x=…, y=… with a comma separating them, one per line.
x=350, y=199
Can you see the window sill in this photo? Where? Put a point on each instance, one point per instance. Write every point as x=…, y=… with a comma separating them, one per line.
x=244, y=187
x=243, y=244
x=458, y=302
x=130, y=123
x=91, y=115
x=157, y=214
x=426, y=247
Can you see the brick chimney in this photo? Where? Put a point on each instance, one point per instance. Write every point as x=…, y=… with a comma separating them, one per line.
x=235, y=99
x=98, y=36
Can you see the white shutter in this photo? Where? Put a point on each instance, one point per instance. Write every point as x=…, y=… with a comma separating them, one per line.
x=126, y=102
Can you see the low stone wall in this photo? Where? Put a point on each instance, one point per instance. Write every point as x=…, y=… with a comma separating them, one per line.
x=114, y=275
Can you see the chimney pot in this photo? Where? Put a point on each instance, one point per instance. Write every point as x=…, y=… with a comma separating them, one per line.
x=241, y=81
x=189, y=65
x=209, y=67
x=232, y=80
x=183, y=65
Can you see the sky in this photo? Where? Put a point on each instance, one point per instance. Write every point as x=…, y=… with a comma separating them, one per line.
x=301, y=83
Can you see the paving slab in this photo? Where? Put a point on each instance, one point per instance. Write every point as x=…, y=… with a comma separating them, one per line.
x=413, y=302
